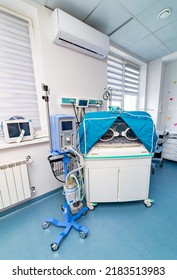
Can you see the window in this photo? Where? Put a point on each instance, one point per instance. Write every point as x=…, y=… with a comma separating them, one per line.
x=123, y=79
x=18, y=95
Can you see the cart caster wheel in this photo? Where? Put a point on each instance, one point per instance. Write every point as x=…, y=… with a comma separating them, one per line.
x=82, y=234
x=153, y=170
x=45, y=225
x=90, y=206
x=84, y=213
x=54, y=246
x=148, y=203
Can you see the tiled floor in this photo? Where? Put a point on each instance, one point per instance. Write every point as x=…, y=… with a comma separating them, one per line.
x=122, y=231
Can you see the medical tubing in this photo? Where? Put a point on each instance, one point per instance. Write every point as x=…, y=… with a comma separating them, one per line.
x=77, y=169
x=75, y=152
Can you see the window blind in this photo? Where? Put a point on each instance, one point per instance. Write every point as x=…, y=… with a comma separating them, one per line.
x=123, y=79
x=17, y=82
x=115, y=69
x=131, y=79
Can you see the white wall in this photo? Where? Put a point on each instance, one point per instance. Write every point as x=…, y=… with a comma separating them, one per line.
x=168, y=116
x=142, y=87
x=156, y=76
x=67, y=73
x=154, y=71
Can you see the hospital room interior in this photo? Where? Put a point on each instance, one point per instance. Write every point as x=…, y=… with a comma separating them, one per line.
x=88, y=130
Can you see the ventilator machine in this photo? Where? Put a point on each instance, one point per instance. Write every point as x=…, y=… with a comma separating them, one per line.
x=67, y=167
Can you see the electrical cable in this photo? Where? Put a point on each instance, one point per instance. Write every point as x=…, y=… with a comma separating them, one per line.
x=77, y=121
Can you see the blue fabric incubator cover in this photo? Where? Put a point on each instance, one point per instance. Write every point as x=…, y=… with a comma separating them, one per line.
x=95, y=124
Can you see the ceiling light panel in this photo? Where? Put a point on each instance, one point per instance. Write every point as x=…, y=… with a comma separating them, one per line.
x=136, y=6
x=77, y=8
x=147, y=46
x=150, y=16
x=108, y=16
x=125, y=37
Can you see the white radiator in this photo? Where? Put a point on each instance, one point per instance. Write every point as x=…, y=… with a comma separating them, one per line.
x=14, y=183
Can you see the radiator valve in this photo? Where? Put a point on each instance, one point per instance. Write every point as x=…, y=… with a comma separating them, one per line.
x=33, y=190
x=29, y=159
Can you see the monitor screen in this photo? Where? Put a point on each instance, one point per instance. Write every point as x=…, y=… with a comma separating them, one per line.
x=66, y=125
x=82, y=103
x=14, y=129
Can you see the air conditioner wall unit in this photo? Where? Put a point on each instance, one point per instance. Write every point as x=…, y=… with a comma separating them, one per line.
x=75, y=34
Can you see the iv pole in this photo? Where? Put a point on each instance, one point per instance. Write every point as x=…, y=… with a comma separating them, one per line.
x=46, y=99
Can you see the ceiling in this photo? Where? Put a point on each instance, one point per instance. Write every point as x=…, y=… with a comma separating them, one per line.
x=132, y=25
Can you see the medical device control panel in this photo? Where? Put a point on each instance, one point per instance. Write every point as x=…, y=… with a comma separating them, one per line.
x=63, y=132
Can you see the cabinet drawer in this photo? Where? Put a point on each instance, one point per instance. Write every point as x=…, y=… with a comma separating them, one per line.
x=171, y=141
x=169, y=151
x=169, y=156
x=102, y=184
x=170, y=146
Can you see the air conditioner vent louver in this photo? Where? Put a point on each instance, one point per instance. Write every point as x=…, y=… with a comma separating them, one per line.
x=78, y=46
x=74, y=34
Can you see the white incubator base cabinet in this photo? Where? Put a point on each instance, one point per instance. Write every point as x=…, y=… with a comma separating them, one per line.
x=117, y=174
